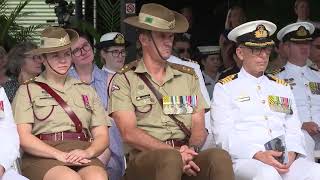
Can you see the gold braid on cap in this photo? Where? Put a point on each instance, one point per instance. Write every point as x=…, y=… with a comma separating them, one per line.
x=119, y=39
x=259, y=44
x=302, y=31
x=261, y=32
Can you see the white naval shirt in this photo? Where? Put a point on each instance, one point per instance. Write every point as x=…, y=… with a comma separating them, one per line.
x=9, y=138
x=308, y=104
x=243, y=121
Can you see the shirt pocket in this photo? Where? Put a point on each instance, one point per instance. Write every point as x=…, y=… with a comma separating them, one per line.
x=43, y=107
x=143, y=105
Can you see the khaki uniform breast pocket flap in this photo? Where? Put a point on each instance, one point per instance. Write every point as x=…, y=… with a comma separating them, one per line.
x=144, y=103
x=43, y=102
x=80, y=103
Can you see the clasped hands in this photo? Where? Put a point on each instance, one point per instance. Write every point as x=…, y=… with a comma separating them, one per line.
x=189, y=167
x=77, y=157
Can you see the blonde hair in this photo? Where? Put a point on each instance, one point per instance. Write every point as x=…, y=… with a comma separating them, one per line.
x=243, y=19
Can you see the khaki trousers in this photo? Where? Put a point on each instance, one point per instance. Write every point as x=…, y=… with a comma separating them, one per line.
x=167, y=165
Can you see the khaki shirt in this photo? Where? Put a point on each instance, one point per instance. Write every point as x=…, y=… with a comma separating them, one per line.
x=130, y=93
x=91, y=114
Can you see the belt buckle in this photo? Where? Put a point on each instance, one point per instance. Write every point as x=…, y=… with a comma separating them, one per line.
x=62, y=136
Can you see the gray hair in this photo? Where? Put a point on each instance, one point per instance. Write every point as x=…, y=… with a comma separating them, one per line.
x=16, y=57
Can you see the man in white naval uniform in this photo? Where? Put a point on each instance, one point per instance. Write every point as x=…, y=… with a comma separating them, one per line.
x=9, y=141
x=249, y=109
x=303, y=79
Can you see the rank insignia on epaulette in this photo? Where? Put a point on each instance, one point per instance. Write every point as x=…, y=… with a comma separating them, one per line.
x=29, y=81
x=277, y=71
x=277, y=80
x=228, y=79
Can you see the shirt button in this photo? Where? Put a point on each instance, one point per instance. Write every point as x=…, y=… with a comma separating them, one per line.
x=263, y=101
x=258, y=87
x=306, y=85
x=266, y=117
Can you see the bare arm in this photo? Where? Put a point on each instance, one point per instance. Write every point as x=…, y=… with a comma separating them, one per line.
x=126, y=121
x=34, y=145
x=100, y=142
x=198, y=130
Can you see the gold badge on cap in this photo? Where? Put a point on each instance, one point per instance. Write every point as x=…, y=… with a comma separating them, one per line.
x=302, y=31
x=119, y=39
x=261, y=32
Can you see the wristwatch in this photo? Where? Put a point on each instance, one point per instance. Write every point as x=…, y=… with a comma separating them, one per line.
x=195, y=148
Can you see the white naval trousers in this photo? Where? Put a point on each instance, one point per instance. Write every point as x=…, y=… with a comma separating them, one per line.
x=251, y=169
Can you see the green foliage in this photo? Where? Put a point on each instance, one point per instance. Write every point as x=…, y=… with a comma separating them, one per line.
x=10, y=32
x=109, y=15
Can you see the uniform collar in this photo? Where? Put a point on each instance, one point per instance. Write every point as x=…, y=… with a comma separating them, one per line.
x=68, y=83
x=258, y=80
x=96, y=74
x=170, y=72
x=295, y=67
x=104, y=68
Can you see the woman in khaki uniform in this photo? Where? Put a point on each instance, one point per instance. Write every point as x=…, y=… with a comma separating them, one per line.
x=60, y=142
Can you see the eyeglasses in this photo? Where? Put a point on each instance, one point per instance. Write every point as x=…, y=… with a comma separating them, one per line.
x=35, y=58
x=78, y=51
x=183, y=50
x=116, y=53
x=258, y=51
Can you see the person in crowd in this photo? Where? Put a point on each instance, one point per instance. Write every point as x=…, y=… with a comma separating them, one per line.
x=255, y=117
x=112, y=47
x=182, y=46
x=302, y=10
x=61, y=122
x=164, y=137
x=22, y=67
x=315, y=50
x=211, y=62
x=280, y=57
x=85, y=70
x=187, y=12
x=3, y=62
x=235, y=17
x=9, y=150
x=303, y=80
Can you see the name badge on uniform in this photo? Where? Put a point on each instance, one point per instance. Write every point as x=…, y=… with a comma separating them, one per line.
x=86, y=103
x=280, y=104
x=243, y=98
x=179, y=104
x=314, y=88
x=1, y=109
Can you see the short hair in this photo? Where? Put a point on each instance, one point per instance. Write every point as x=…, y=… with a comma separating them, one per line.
x=16, y=57
x=297, y=2
x=227, y=24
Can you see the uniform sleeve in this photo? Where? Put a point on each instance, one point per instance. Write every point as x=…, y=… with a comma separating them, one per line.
x=294, y=136
x=223, y=117
x=21, y=106
x=120, y=99
x=202, y=104
x=99, y=115
x=9, y=150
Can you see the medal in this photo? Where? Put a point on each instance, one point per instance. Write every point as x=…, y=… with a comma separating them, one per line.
x=314, y=88
x=1, y=109
x=86, y=102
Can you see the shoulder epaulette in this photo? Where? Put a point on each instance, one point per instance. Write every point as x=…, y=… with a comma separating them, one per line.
x=29, y=81
x=189, y=60
x=128, y=67
x=228, y=79
x=182, y=68
x=277, y=80
x=312, y=68
x=277, y=71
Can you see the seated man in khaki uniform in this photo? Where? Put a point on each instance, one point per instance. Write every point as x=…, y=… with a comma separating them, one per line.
x=159, y=108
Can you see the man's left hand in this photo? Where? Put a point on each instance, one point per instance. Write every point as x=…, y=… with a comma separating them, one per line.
x=1, y=171
x=291, y=158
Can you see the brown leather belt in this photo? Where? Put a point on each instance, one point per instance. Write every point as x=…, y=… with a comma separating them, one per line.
x=60, y=136
x=176, y=143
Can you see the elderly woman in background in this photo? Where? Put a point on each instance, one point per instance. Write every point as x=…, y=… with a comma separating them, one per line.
x=3, y=61
x=22, y=67
x=85, y=70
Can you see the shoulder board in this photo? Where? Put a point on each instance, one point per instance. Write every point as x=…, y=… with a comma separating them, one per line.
x=312, y=68
x=189, y=60
x=277, y=80
x=182, y=68
x=277, y=71
x=228, y=79
x=128, y=67
x=29, y=81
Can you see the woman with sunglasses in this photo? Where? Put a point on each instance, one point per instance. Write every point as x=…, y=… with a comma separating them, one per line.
x=21, y=67
x=85, y=70
x=62, y=125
